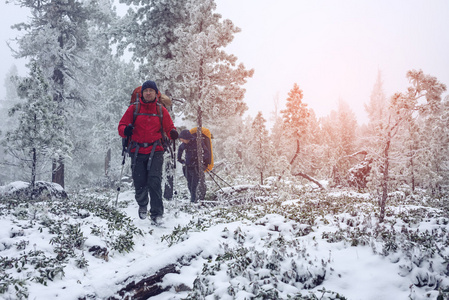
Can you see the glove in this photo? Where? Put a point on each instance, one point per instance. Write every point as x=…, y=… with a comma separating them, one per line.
x=181, y=161
x=129, y=130
x=173, y=134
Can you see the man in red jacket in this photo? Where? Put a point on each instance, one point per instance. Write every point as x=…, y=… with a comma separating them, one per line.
x=145, y=128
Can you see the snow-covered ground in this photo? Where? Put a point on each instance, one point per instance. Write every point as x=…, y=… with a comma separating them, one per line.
x=257, y=244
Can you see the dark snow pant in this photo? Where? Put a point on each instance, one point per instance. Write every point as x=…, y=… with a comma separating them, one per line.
x=148, y=180
x=193, y=178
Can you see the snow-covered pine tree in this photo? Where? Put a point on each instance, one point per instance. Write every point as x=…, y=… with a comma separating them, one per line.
x=377, y=110
x=423, y=96
x=229, y=136
x=371, y=135
x=377, y=107
x=296, y=126
x=107, y=87
x=345, y=129
x=426, y=133
x=54, y=39
x=35, y=140
x=8, y=124
x=296, y=119
x=147, y=31
x=329, y=141
x=262, y=150
x=276, y=133
x=207, y=76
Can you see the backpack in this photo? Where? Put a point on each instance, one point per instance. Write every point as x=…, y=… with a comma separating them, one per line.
x=163, y=99
x=207, y=137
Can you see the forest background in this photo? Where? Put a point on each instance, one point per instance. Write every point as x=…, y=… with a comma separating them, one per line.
x=79, y=81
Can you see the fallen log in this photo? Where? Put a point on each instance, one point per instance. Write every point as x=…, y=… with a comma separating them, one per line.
x=310, y=179
x=147, y=287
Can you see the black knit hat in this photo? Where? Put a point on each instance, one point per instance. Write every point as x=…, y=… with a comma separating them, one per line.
x=149, y=84
x=186, y=135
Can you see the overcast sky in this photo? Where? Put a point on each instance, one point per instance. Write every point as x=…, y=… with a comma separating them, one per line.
x=332, y=49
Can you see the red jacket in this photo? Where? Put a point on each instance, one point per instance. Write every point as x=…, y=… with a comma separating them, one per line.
x=147, y=129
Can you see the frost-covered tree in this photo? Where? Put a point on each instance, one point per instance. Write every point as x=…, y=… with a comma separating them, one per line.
x=70, y=41
x=343, y=126
x=208, y=76
x=147, y=31
x=35, y=139
x=276, y=133
x=347, y=126
x=54, y=38
x=296, y=119
x=371, y=134
x=377, y=106
x=297, y=126
x=262, y=153
x=107, y=88
x=228, y=141
x=377, y=110
x=422, y=97
x=8, y=124
x=425, y=136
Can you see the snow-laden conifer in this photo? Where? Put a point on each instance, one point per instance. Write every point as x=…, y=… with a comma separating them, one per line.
x=54, y=38
x=34, y=141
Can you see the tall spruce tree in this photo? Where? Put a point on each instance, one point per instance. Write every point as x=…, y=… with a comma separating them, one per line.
x=296, y=119
x=54, y=38
x=344, y=142
x=262, y=149
x=297, y=126
x=107, y=83
x=209, y=78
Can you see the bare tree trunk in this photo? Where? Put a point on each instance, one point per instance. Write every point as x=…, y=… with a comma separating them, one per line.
x=33, y=168
x=201, y=189
x=412, y=168
x=107, y=163
x=296, y=153
x=58, y=172
x=384, y=184
x=58, y=79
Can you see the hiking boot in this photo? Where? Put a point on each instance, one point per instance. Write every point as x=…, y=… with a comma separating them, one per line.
x=156, y=220
x=142, y=212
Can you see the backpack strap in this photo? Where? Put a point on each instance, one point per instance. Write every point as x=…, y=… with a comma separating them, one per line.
x=159, y=113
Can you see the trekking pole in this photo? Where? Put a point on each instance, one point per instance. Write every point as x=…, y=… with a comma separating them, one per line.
x=222, y=180
x=215, y=181
x=175, y=192
x=125, y=144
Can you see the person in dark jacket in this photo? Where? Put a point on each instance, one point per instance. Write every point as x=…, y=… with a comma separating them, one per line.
x=147, y=148
x=191, y=170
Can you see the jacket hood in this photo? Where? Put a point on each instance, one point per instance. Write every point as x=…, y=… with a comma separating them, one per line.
x=186, y=135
